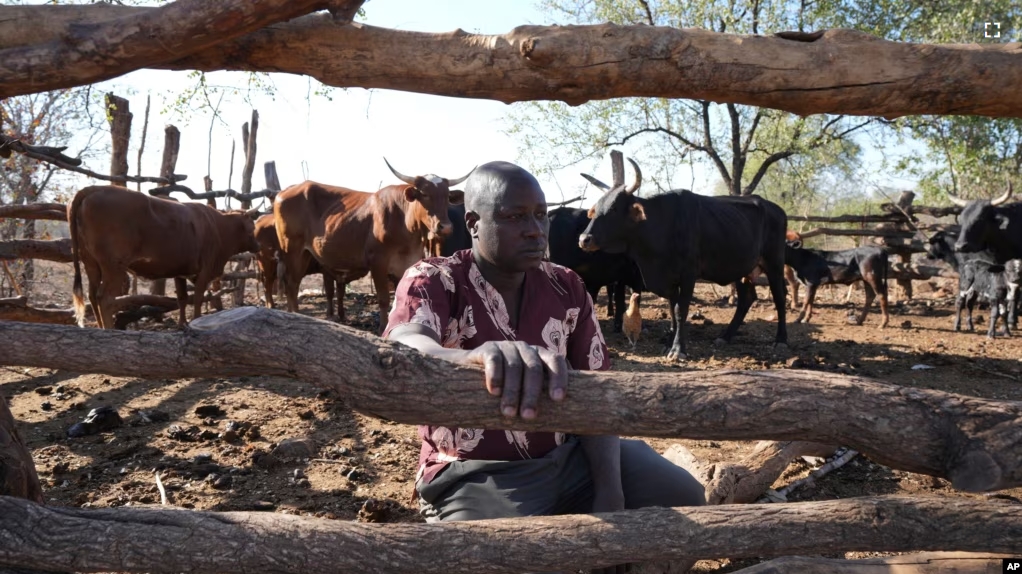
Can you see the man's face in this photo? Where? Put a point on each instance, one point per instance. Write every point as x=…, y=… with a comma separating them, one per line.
x=511, y=231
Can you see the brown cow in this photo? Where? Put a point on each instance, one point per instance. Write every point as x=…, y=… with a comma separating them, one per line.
x=115, y=230
x=354, y=233
x=267, y=259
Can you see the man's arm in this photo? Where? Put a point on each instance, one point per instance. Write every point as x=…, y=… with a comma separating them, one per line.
x=513, y=370
x=604, y=455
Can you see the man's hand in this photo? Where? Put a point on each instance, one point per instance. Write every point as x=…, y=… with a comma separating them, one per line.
x=516, y=371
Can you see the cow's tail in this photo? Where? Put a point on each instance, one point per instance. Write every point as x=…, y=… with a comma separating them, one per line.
x=73, y=224
x=278, y=285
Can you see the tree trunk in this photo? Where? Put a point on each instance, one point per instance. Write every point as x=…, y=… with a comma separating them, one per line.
x=51, y=211
x=120, y=130
x=921, y=563
x=58, y=250
x=248, y=142
x=160, y=540
x=975, y=442
x=848, y=72
x=17, y=471
x=119, y=42
x=747, y=480
x=171, y=146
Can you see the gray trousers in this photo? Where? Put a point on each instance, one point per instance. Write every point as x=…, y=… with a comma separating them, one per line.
x=558, y=483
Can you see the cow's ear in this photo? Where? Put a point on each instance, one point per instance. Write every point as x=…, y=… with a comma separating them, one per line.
x=638, y=212
x=411, y=193
x=1002, y=221
x=456, y=197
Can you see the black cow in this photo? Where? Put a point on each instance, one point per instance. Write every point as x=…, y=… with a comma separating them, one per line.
x=597, y=269
x=987, y=225
x=459, y=238
x=815, y=267
x=978, y=277
x=679, y=237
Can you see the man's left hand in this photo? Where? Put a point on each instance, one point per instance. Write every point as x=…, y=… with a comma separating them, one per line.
x=609, y=502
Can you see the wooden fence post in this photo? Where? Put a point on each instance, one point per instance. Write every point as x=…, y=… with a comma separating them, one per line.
x=248, y=142
x=120, y=129
x=171, y=146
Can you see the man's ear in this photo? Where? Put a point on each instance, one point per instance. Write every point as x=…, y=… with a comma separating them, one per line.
x=411, y=193
x=456, y=197
x=471, y=218
x=638, y=212
x=1002, y=220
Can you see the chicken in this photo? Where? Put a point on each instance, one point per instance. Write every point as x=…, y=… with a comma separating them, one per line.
x=632, y=324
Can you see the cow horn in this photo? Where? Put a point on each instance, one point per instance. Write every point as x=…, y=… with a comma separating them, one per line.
x=451, y=182
x=253, y=213
x=398, y=174
x=595, y=182
x=957, y=200
x=1004, y=197
x=638, y=177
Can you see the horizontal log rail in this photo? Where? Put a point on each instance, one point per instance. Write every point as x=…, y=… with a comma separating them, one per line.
x=170, y=541
x=921, y=563
x=52, y=211
x=974, y=442
x=166, y=190
x=58, y=250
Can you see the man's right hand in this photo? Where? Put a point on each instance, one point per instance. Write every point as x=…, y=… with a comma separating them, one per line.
x=516, y=371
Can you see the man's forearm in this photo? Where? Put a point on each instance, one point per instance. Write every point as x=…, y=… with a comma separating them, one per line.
x=425, y=344
x=604, y=455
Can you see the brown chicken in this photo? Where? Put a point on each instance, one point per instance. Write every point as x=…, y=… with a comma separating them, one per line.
x=632, y=324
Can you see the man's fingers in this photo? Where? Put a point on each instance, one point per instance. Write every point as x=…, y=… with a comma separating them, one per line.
x=493, y=365
x=512, y=379
x=557, y=368
x=532, y=380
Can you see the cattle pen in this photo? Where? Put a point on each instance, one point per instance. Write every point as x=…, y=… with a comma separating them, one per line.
x=257, y=440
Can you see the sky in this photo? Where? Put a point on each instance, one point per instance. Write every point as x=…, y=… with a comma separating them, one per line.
x=343, y=140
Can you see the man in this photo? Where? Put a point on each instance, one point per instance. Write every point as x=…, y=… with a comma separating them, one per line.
x=501, y=306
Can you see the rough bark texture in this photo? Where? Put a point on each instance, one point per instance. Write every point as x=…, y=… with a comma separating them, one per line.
x=58, y=250
x=117, y=111
x=841, y=71
x=921, y=563
x=158, y=540
x=974, y=442
x=248, y=141
x=88, y=50
x=17, y=471
x=51, y=211
x=748, y=479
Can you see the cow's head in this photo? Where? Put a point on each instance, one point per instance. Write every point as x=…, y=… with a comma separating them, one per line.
x=979, y=219
x=434, y=194
x=941, y=246
x=239, y=230
x=615, y=216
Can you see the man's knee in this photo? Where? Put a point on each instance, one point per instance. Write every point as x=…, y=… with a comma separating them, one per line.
x=651, y=480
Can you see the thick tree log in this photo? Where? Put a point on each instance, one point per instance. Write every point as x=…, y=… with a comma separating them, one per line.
x=52, y=211
x=159, y=540
x=35, y=315
x=747, y=480
x=94, y=50
x=924, y=210
x=119, y=116
x=921, y=563
x=974, y=442
x=17, y=471
x=58, y=250
x=577, y=63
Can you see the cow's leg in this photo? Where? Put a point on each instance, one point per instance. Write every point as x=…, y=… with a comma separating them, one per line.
x=959, y=303
x=291, y=271
x=870, y=294
x=181, y=289
x=328, y=290
x=789, y=277
x=342, y=287
x=93, y=273
x=202, y=281
x=970, y=304
x=619, y=304
x=995, y=310
x=745, y=296
x=680, y=299
x=107, y=292
x=381, y=280
x=269, y=273
x=807, y=308
x=776, y=281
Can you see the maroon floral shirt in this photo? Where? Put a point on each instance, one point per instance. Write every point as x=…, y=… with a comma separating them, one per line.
x=449, y=296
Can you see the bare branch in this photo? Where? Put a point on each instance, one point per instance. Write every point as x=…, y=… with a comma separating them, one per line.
x=763, y=167
x=708, y=146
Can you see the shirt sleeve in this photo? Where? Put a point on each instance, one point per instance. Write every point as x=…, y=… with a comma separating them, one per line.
x=587, y=351
x=422, y=296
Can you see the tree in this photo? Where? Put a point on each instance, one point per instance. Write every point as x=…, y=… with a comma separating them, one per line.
x=45, y=119
x=741, y=142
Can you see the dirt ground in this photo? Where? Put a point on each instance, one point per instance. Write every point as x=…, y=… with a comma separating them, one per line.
x=353, y=467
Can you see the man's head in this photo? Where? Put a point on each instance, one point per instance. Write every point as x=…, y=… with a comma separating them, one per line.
x=506, y=215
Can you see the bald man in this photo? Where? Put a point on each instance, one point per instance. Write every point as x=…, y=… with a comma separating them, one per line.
x=525, y=321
